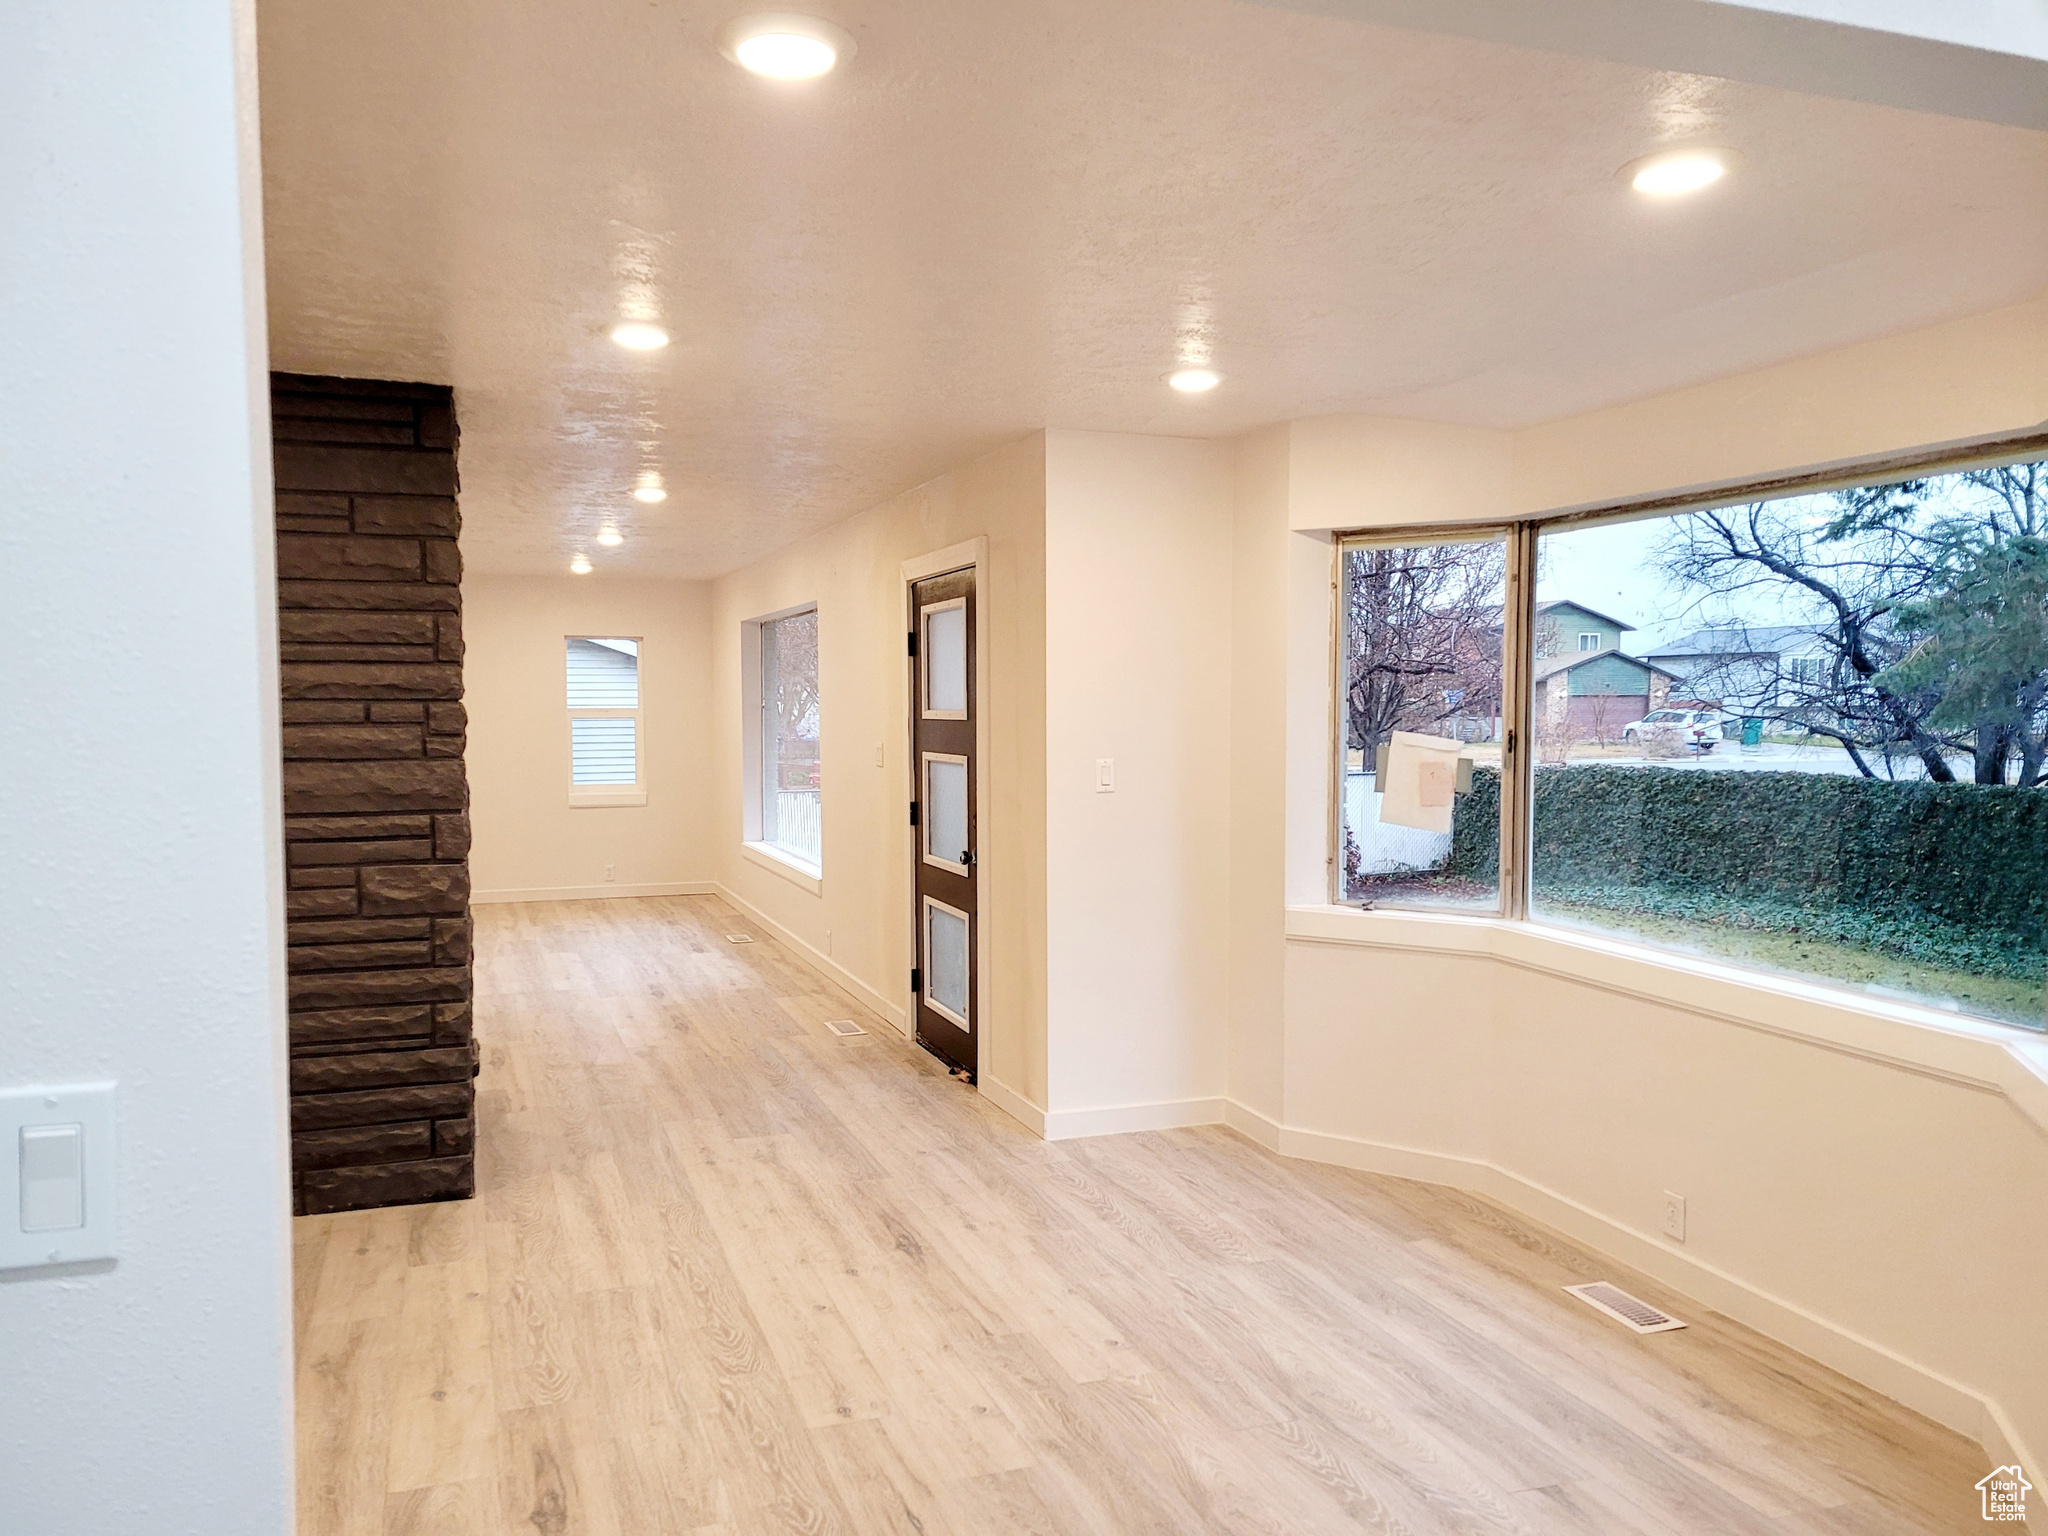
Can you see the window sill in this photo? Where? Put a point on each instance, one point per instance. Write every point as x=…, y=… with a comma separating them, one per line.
x=593, y=799
x=1995, y=1058
x=787, y=865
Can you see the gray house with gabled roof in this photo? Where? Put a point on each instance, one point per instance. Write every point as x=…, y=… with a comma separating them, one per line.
x=1753, y=670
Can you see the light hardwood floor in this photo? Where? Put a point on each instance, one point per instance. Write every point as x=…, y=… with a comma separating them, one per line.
x=728, y=1273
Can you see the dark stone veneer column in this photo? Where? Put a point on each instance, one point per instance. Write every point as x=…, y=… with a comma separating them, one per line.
x=376, y=803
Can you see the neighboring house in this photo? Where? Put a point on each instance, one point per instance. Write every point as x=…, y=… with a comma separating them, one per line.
x=1565, y=628
x=1754, y=670
x=1593, y=695
x=604, y=673
x=1584, y=684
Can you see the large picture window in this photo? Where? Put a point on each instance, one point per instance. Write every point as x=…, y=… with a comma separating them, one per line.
x=790, y=789
x=1806, y=734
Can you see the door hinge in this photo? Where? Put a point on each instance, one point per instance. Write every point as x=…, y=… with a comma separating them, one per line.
x=913, y=813
x=916, y=977
x=913, y=642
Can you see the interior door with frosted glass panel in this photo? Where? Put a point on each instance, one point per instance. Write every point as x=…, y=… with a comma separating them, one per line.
x=943, y=816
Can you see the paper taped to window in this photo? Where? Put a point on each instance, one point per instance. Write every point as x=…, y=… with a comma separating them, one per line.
x=1419, y=789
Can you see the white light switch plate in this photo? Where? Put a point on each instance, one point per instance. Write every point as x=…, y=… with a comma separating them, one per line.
x=90, y=1108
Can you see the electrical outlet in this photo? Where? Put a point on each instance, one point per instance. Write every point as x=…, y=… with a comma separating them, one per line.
x=1674, y=1216
x=828, y=941
x=878, y=754
x=611, y=872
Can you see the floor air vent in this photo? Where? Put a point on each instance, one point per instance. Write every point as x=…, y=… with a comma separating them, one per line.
x=739, y=938
x=1624, y=1308
x=844, y=1027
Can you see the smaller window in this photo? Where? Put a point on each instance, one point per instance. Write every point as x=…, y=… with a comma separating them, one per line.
x=1421, y=663
x=786, y=813
x=604, y=722
x=1589, y=642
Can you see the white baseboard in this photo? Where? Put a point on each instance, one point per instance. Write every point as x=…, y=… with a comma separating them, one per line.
x=1116, y=1119
x=1249, y=1123
x=1924, y=1390
x=1012, y=1103
x=823, y=963
x=595, y=892
x=1112, y=1120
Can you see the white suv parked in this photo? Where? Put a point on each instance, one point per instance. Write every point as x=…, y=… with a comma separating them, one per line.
x=1699, y=729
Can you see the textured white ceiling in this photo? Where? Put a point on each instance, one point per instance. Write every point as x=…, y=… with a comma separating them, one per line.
x=1003, y=215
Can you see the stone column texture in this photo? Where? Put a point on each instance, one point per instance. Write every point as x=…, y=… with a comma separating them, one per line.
x=376, y=803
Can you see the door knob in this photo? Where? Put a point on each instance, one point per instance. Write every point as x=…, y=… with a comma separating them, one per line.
x=966, y=858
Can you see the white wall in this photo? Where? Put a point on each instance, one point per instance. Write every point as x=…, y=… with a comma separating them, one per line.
x=529, y=843
x=141, y=928
x=1138, y=544
x=1259, y=623
x=1109, y=580
x=1368, y=471
x=856, y=926
x=1979, y=377
x=1864, y=1181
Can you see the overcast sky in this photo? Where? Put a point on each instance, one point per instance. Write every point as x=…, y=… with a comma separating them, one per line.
x=1613, y=569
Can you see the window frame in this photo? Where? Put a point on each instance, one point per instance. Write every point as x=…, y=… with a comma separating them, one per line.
x=754, y=846
x=1518, y=635
x=585, y=797
x=1518, y=639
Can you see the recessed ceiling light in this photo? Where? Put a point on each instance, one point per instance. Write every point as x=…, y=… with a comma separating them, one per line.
x=782, y=46
x=610, y=537
x=649, y=488
x=580, y=565
x=1194, y=381
x=639, y=336
x=1677, y=173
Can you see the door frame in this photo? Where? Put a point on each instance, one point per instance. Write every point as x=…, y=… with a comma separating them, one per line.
x=970, y=554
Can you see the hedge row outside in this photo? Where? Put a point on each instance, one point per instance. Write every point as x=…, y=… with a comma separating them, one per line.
x=1951, y=873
